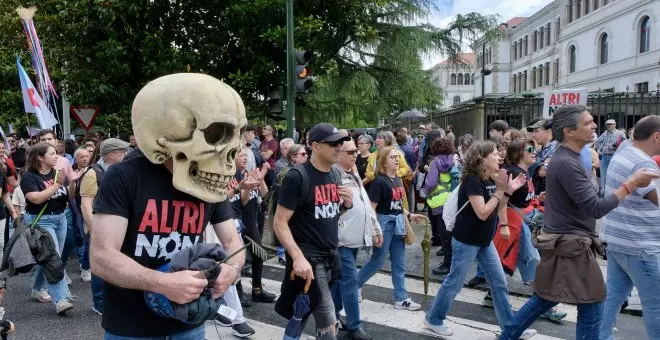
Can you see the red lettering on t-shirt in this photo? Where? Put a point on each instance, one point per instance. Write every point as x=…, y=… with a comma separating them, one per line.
x=319, y=198
x=150, y=217
x=177, y=205
x=163, y=217
x=397, y=193
x=200, y=220
x=190, y=215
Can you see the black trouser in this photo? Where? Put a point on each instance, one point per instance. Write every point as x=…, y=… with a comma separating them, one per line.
x=438, y=226
x=255, y=232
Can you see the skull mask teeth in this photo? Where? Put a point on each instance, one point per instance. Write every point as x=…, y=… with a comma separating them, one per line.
x=197, y=121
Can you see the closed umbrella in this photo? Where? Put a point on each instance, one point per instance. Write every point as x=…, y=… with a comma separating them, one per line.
x=426, y=249
x=300, y=308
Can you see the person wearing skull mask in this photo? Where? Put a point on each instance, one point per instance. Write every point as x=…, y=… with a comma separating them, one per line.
x=158, y=201
x=307, y=227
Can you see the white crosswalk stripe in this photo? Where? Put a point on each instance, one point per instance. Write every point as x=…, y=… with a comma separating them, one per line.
x=380, y=316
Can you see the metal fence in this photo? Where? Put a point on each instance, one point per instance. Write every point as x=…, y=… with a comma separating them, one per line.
x=474, y=117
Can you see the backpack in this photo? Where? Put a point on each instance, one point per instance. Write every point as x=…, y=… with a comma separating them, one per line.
x=451, y=210
x=438, y=197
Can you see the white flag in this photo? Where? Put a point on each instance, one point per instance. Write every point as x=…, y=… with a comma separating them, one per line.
x=33, y=102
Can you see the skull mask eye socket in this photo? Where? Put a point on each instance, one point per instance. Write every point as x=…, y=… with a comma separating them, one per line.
x=218, y=133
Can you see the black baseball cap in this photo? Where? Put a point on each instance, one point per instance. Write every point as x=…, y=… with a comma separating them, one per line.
x=538, y=123
x=326, y=133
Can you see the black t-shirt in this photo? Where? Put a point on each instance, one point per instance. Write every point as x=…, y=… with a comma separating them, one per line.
x=36, y=182
x=161, y=221
x=521, y=197
x=315, y=220
x=3, y=187
x=469, y=229
x=388, y=195
x=243, y=212
x=361, y=165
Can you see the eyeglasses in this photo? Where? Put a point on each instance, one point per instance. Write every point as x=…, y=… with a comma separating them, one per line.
x=530, y=149
x=350, y=152
x=393, y=157
x=304, y=154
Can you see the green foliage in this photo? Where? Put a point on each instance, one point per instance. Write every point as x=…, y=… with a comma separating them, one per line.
x=102, y=52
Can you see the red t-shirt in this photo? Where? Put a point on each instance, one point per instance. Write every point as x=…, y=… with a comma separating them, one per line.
x=11, y=171
x=271, y=145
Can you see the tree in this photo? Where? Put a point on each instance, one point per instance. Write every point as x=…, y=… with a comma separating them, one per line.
x=103, y=51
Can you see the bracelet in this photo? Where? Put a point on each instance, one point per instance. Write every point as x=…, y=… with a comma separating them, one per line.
x=498, y=199
x=238, y=272
x=625, y=186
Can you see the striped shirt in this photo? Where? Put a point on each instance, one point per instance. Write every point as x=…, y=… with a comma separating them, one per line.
x=634, y=226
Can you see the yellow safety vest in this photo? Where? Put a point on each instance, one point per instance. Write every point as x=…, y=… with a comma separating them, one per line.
x=438, y=197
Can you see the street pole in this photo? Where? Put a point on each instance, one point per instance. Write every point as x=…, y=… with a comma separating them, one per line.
x=290, y=71
x=483, y=70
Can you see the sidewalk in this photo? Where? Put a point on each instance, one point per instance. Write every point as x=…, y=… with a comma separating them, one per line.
x=415, y=268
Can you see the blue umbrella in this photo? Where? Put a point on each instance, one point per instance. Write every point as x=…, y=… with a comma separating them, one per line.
x=300, y=308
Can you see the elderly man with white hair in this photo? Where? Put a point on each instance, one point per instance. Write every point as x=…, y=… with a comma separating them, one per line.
x=282, y=163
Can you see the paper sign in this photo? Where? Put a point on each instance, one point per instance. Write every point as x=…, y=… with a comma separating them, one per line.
x=556, y=99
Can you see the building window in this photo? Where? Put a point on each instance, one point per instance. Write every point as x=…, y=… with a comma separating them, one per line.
x=571, y=59
x=515, y=50
x=460, y=79
x=513, y=80
x=586, y=6
x=533, y=78
x=557, y=29
x=540, y=75
x=547, y=34
x=466, y=79
x=541, y=40
x=519, y=82
x=520, y=48
x=534, y=38
x=642, y=87
x=556, y=71
x=453, y=79
x=596, y=4
x=570, y=11
x=578, y=9
x=525, y=44
x=605, y=2
x=456, y=100
x=472, y=81
x=602, y=48
x=547, y=74
x=524, y=80
x=645, y=35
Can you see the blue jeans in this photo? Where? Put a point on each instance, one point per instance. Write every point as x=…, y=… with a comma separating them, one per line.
x=344, y=292
x=604, y=164
x=84, y=258
x=70, y=240
x=623, y=272
x=56, y=226
x=463, y=255
x=193, y=334
x=397, y=249
x=588, y=320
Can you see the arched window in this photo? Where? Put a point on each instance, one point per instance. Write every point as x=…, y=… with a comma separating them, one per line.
x=472, y=82
x=456, y=100
x=571, y=59
x=460, y=79
x=645, y=35
x=515, y=50
x=602, y=48
x=541, y=37
x=466, y=79
x=453, y=79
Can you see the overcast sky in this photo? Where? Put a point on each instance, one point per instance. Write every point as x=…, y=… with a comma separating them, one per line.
x=506, y=9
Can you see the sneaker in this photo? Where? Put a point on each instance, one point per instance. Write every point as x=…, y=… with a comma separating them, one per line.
x=488, y=300
x=86, y=275
x=475, y=281
x=408, y=304
x=442, y=270
x=554, y=315
x=245, y=303
x=97, y=310
x=260, y=295
x=343, y=323
x=242, y=330
x=442, y=329
x=41, y=295
x=359, y=295
x=528, y=333
x=63, y=306
x=68, y=279
x=222, y=320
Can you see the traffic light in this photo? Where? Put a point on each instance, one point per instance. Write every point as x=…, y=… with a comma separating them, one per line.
x=275, y=103
x=303, y=72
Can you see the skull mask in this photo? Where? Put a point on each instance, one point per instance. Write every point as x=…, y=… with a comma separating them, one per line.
x=197, y=121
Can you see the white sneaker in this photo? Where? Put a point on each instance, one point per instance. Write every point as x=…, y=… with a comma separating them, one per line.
x=408, y=304
x=41, y=295
x=359, y=295
x=528, y=333
x=86, y=275
x=442, y=329
x=63, y=306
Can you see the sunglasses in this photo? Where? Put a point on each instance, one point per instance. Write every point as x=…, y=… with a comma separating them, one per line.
x=530, y=149
x=304, y=154
x=350, y=152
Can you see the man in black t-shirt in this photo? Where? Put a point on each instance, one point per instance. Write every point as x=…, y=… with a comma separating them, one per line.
x=143, y=218
x=306, y=223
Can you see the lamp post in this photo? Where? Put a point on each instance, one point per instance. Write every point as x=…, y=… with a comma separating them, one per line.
x=484, y=70
x=290, y=71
